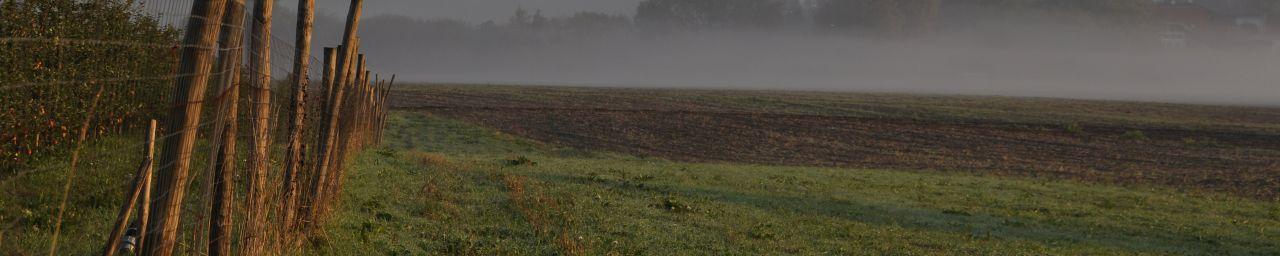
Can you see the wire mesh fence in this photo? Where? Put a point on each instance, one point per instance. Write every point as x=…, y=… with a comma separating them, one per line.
x=84, y=78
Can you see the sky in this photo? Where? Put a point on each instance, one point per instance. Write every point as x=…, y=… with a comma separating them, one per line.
x=473, y=11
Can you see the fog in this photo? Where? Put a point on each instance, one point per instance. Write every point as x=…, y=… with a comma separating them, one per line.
x=474, y=11
x=1036, y=59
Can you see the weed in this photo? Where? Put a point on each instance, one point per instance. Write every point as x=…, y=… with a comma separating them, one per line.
x=673, y=204
x=385, y=216
x=762, y=231
x=544, y=215
x=521, y=161
x=1135, y=135
x=429, y=159
x=1074, y=128
x=643, y=177
x=367, y=229
x=457, y=245
x=388, y=152
x=431, y=190
x=956, y=212
x=594, y=177
x=1107, y=203
x=569, y=245
x=1203, y=142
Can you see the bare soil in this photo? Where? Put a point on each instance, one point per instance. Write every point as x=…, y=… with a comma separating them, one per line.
x=1234, y=150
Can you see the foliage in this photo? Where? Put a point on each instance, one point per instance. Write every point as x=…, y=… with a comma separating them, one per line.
x=49, y=80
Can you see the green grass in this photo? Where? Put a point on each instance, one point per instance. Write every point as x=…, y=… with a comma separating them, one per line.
x=446, y=187
x=29, y=202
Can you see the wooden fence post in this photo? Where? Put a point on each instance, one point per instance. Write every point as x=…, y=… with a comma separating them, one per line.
x=377, y=112
x=357, y=109
x=345, y=131
x=382, y=111
x=328, y=148
x=222, y=181
x=325, y=143
x=343, y=135
x=385, y=111
x=387, y=98
x=328, y=141
x=365, y=107
x=293, y=161
x=254, y=235
x=184, y=119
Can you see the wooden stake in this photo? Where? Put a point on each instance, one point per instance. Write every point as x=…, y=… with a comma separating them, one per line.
x=389, y=85
x=131, y=200
x=184, y=119
x=329, y=148
x=256, y=209
x=145, y=211
x=122, y=218
x=293, y=160
x=327, y=138
x=223, y=161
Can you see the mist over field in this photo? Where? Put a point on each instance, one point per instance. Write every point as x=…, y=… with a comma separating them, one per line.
x=838, y=64
x=963, y=50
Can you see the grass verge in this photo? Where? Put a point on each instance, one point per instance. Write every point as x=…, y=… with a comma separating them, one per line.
x=449, y=188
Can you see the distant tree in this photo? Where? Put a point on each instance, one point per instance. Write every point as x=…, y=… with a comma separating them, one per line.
x=1109, y=12
x=919, y=16
x=1272, y=10
x=520, y=18
x=488, y=25
x=701, y=14
x=593, y=22
x=890, y=17
x=538, y=21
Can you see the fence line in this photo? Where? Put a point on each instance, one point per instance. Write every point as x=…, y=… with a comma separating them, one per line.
x=305, y=125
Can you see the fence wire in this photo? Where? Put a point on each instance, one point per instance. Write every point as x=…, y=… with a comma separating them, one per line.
x=173, y=15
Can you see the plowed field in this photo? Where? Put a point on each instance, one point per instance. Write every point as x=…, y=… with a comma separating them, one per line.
x=1234, y=150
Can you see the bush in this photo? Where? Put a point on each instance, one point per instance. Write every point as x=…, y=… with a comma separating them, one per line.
x=57, y=61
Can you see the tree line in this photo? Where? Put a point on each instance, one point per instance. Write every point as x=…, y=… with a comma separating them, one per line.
x=883, y=17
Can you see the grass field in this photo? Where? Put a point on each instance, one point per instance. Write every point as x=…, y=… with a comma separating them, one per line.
x=447, y=187
x=574, y=171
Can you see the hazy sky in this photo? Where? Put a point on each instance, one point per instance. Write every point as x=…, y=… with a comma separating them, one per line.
x=474, y=11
